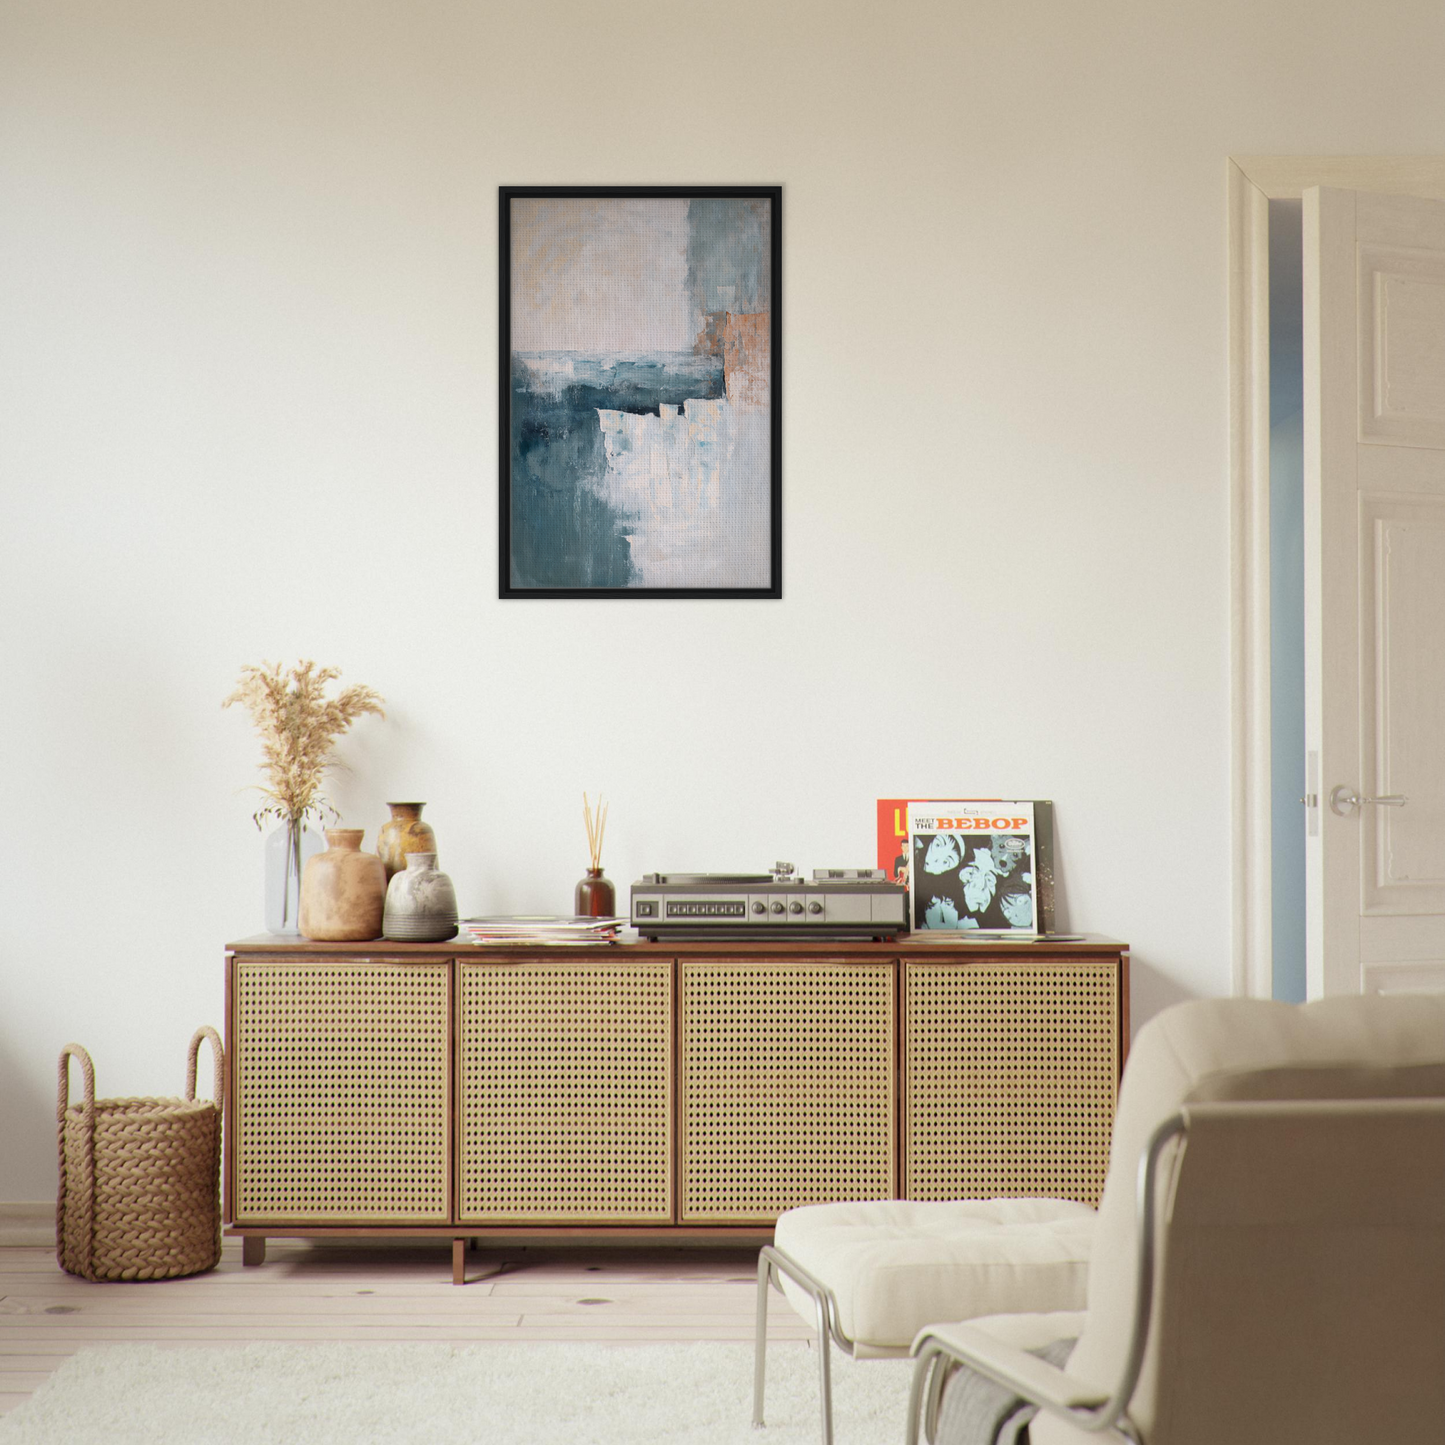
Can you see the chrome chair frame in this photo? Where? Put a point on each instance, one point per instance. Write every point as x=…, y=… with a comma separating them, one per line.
x=771, y=1264
x=937, y=1358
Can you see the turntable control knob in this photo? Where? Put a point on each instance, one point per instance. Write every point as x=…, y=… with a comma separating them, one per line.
x=795, y=907
x=815, y=907
x=759, y=906
x=777, y=908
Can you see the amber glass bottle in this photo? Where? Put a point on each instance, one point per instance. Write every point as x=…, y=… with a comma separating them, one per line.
x=595, y=896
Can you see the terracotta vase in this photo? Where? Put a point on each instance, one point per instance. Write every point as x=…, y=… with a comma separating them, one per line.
x=343, y=890
x=595, y=897
x=403, y=833
x=421, y=904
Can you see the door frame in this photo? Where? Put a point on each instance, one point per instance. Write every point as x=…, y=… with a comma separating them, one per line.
x=1254, y=181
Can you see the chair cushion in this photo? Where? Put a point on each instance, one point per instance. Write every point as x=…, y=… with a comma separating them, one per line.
x=896, y=1265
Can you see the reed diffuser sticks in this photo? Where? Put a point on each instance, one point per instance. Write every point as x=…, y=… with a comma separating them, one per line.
x=596, y=827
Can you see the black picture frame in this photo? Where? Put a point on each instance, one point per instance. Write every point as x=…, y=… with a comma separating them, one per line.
x=528, y=426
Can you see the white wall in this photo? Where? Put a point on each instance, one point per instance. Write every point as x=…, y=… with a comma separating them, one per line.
x=248, y=339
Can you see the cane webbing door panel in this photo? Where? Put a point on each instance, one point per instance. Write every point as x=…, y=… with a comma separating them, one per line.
x=1010, y=1076
x=565, y=1080
x=787, y=1078
x=342, y=1091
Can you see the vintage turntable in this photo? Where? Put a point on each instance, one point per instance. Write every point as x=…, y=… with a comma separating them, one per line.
x=834, y=903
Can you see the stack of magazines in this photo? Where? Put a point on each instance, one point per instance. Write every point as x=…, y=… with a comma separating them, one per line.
x=551, y=929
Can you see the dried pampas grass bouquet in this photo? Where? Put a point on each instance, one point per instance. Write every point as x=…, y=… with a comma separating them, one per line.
x=298, y=726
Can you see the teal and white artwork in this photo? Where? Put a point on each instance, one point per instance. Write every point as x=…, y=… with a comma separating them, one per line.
x=640, y=419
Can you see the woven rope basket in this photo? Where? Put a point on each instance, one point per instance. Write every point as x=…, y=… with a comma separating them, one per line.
x=139, y=1178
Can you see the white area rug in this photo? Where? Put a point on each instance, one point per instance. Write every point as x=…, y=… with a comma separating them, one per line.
x=490, y=1394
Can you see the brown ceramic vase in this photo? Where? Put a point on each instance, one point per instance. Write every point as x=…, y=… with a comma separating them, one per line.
x=343, y=890
x=403, y=833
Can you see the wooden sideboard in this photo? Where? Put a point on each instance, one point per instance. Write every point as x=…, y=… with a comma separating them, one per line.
x=657, y=1091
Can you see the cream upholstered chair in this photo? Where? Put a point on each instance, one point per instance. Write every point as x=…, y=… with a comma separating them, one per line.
x=1269, y=1259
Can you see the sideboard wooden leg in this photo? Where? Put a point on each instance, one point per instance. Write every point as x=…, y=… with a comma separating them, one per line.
x=459, y=1261
x=253, y=1249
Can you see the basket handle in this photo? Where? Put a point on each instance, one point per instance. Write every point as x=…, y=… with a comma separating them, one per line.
x=218, y=1055
x=87, y=1070
x=84, y=1186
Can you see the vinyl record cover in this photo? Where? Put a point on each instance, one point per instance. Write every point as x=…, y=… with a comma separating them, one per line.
x=894, y=858
x=972, y=866
x=893, y=838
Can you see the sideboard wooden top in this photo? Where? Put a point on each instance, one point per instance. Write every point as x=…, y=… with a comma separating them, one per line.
x=915, y=946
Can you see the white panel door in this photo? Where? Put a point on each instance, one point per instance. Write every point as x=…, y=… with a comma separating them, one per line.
x=1374, y=277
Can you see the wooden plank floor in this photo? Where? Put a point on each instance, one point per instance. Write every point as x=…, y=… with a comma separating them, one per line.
x=381, y=1292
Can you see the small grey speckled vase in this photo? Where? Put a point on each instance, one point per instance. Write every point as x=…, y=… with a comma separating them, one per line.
x=421, y=904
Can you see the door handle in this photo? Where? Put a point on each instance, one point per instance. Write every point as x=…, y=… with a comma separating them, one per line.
x=1344, y=800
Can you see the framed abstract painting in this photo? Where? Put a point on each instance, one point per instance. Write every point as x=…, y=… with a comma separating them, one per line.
x=641, y=426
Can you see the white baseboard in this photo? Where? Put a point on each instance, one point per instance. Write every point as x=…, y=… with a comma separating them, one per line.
x=30, y=1223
